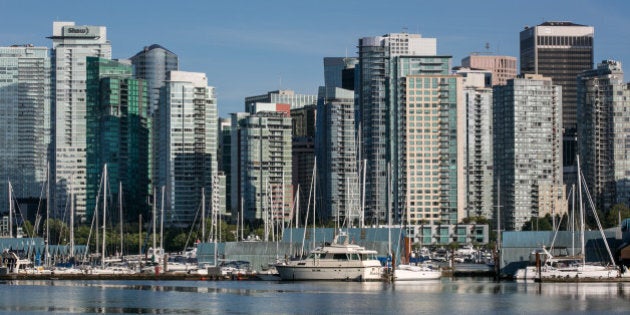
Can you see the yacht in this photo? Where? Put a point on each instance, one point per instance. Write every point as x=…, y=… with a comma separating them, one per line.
x=339, y=260
x=413, y=273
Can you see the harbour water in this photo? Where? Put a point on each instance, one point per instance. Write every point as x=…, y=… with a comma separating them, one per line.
x=446, y=296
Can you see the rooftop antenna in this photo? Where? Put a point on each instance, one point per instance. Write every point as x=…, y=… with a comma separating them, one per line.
x=280, y=82
x=487, y=47
x=404, y=29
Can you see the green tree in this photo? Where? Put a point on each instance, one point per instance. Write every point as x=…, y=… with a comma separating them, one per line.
x=27, y=229
x=538, y=224
x=611, y=219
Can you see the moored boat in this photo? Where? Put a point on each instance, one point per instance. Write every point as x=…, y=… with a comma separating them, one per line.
x=339, y=260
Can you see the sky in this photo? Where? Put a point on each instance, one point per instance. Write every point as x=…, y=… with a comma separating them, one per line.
x=251, y=47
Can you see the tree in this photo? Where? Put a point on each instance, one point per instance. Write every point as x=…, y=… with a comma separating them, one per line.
x=611, y=219
x=539, y=224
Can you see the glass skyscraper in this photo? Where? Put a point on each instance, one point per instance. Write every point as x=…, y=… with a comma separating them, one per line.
x=25, y=99
x=117, y=126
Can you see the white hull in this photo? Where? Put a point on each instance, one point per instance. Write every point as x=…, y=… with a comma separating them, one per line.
x=580, y=272
x=347, y=273
x=414, y=273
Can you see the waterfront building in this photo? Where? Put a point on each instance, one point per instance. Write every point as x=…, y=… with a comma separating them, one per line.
x=266, y=165
x=303, y=153
x=603, y=102
x=478, y=163
x=71, y=44
x=560, y=51
x=503, y=68
x=224, y=160
x=335, y=145
x=431, y=168
x=152, y=64
x=25, y=99
x=339, y=72
x=187, y=150
x=280, y=97
x=527, y=118
x=117, y=135
x=236, y=205
x=378, y=108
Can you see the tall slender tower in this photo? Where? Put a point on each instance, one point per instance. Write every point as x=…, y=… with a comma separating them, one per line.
x=187, y=154
x=604, y=129
x=71, y=45
x=560, y=51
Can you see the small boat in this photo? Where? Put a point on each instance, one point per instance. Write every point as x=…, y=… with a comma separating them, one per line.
x=339, y=260
x=413, y=273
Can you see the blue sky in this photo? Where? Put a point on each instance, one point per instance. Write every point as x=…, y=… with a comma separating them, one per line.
x=250, y=47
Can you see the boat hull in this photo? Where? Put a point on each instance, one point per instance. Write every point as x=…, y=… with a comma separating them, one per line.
x=414, y=273
x=337, y=273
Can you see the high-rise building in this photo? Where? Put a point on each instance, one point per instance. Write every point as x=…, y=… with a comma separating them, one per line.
x=153, y=64
x=503, y=68
x=280, y=97
x=71, y=45
x=224, y=160
x=25, y=99
x=187, y=151
x=527, y=115
x=118, y=135
x=337, y=174
x=604, y=129
x=478, y=169
x=339, y=72
x=382, y=114
x=266, y=168
x=303, y=152
x=235, y=202
x=431, y=166
x=560, y=51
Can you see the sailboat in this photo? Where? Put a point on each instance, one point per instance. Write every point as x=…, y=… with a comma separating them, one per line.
x=574, y=267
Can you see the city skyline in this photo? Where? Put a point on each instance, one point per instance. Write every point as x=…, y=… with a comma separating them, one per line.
x=280, y=45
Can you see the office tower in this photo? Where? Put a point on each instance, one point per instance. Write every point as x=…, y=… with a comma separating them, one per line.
x=335, y=146
x=266, y=165
x=152, y=64
x=339, y=72
x=224, y=159
x=560, y=51
x=187, y=151
x=604, y=129
x=24, y=121
x=117, y=135
x=527, y=115
x=303, y=153
x=281, y=97
x=503, y=68
x=235, y=202
x=478, y=147
x=71, y=45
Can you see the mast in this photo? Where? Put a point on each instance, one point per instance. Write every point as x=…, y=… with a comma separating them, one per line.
x=72, y=215
x=203, y=214
x=10, y=211
x=104, y=213
x=162, y=221
x=579, y=180
x=314, y=198
x=120, y=208
x=573, y=220
x=47, y=211
x=154, y=221
x=363, y=194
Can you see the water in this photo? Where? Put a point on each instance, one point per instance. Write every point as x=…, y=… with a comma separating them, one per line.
x=446, y=296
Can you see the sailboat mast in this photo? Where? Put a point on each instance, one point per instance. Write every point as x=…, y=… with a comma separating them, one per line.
x=72, y=215
x=162, y=220
x=579, y=180
x=120, y=192
x=314, y=198
x=154, y=220
x=104, y=213
x=203, y=214
x=47, y=211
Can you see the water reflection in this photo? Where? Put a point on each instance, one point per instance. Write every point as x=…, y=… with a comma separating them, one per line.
x=194, y=297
